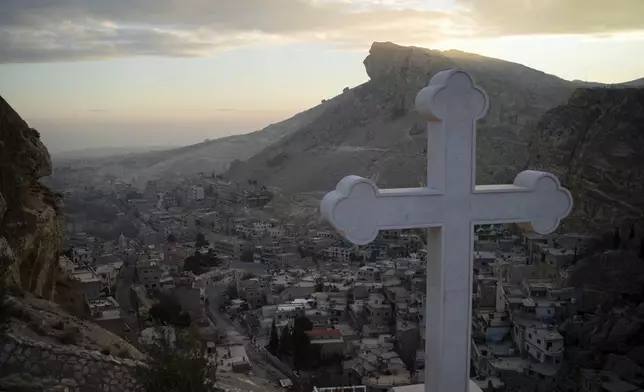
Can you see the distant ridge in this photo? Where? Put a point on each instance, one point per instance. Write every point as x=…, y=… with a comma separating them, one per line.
x=376, y=132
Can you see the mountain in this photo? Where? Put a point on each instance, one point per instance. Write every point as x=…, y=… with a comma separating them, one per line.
x=101, y=152
x=375, y=132
x=595, y=143
x=212, y=155
x=634, y=83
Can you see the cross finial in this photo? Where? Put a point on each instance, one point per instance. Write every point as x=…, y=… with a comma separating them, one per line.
x=449, y=91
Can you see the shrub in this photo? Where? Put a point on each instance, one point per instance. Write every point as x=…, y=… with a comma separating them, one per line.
x=70, y=336
x=182, y=366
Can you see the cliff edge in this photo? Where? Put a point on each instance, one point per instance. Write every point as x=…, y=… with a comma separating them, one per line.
x=595, y=144
x=31, y=223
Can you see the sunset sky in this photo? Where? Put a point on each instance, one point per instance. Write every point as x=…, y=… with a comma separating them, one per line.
x=91, y=73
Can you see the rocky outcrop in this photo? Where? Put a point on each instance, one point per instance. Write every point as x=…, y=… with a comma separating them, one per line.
x=375, y=132
x=595, y=143
x=30, y=213
x=616, y=274
x=607, y=331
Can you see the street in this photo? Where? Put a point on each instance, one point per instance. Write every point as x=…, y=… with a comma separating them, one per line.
x=237, y=334
x=123, y=295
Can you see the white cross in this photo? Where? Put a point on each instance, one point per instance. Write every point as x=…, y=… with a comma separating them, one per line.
x=449, y=206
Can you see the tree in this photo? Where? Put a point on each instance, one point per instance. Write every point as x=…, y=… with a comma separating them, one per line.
x=171, y=238
x=194, y=264
x=168, y=311
x=302, y=352
x=616, y=239
x=247, y=256
x=273, y=343
x=200, y=241
x=233, y=293
x=319, y=287
x=180, y=366
x=285, y=342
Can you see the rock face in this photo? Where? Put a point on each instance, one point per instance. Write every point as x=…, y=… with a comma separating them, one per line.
x=44, y=367
x=609, y=333
x=30, y=214
x=595, y=143
x=374, y=130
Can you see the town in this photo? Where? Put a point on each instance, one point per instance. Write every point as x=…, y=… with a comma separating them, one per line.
x=298, y=305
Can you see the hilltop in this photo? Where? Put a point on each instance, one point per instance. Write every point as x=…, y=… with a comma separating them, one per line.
x=375, y=132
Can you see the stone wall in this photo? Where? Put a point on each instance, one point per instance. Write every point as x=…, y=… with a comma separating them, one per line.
x=68, y=367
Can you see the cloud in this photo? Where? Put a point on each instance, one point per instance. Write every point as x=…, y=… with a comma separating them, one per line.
x=69, y=30
x=553, y=17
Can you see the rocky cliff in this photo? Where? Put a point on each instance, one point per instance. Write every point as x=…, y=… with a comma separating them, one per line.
x=607, y=331
x=30, y=213
x=374, y=130
x=595, y=143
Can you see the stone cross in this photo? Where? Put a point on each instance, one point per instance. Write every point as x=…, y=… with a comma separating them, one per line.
x=449, y=207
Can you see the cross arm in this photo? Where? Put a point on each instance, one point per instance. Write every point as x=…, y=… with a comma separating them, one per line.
x=535, y=197
x=358, y=209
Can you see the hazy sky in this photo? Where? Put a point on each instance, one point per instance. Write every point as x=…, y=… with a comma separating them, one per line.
x=91, y=73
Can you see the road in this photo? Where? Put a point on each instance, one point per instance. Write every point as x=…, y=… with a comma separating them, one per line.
x=237, y=334
x=123, y=295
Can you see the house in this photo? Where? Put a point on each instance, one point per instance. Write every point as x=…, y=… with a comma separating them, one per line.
x=229, y=246
x=368, y=274
x=338, y=253
x=251, y=291
x=148, y=271
x=298, y=290
x=232, y=358
x=545, y=345
x=329, y=341
x=106, y=312
x=90, y=282
x=196, y=193
x=377, y=310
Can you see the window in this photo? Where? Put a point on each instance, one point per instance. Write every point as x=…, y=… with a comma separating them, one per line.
x=549, y=345
x=530, y=335
x=538, y=341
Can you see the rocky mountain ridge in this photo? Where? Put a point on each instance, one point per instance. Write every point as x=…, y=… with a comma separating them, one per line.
x=595, y=144
x=376, y=133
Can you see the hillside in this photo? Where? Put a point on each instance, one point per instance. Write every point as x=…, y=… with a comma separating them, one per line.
x=213, y=155
x=376, y=133
x=595, y=143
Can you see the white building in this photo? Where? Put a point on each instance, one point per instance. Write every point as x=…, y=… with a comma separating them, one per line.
x=544, y=345
x=196, y=193
x=338, y=253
